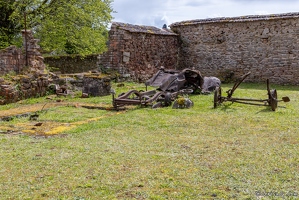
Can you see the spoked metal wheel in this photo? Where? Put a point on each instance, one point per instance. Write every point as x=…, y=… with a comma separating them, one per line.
x=273, y=99
x=217, y=96
x=163, y=101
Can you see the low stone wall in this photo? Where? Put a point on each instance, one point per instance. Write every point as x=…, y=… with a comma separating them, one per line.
x=72, y=64
x=96, y=85
x=28, y=86
x=23, y=87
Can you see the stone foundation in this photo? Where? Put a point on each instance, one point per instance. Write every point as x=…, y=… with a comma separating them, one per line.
x=23, y=87
x=95, y=85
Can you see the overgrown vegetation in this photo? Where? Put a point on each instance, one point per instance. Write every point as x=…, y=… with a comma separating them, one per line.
x=63, y=27
x=233, y=152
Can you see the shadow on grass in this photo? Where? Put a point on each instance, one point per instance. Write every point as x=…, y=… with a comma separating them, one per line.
x=265, y=110
x=269, y=110
x=226, y=107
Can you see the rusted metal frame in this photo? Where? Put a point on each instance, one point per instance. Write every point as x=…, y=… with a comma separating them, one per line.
x=139, y=100
x=137, y=93
x=152, y=99
x=266, y=103
x=128, y=101
x=271, y=101
x=126, y=95
x=123, y=100
x=236, y=85
x=244, y=99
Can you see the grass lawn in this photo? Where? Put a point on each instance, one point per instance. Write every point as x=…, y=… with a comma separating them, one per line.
x=235, y=151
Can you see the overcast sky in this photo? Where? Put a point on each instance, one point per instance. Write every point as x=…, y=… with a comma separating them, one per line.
x=159, y=12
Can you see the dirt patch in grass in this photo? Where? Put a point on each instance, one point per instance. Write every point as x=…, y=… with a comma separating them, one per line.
x=29, y=109
x=33, y=126
x=26, y=109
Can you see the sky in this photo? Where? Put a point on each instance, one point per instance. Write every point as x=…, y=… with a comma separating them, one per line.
x=160, y=12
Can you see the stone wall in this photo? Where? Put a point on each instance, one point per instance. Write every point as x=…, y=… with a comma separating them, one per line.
x=13, y=59
x=268, y=46
x=25, y=74
x=96, y=85
x=139, y=51
x=72, y=64
x=28, y=79
x=23, y=87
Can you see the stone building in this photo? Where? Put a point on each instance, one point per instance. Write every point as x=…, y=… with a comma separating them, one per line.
x=266, y=45
x=138, y=51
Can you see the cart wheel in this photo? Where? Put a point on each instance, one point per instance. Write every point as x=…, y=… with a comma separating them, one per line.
x=273, y=99
x=217, y=96
x=167, y=99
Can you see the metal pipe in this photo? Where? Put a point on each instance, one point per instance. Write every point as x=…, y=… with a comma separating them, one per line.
x=243, y=99
x=256, y=104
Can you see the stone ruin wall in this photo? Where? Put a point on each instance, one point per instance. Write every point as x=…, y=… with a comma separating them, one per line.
x=268, y=46
x=137, y=52
x=20, y=81
x=33, y=82
x=13, y=59
x=72, y=64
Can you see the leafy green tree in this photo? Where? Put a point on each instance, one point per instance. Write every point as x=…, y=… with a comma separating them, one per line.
x=72, y=26
x=8, y=29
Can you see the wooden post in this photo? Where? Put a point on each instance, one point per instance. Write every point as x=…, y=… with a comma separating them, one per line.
x=26, y=46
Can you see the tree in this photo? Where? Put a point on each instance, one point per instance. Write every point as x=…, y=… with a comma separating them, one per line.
x=73, y=26
x=8, y=29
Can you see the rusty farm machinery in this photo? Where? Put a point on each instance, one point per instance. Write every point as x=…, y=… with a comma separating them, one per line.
x=271, y=101
x=170, y=84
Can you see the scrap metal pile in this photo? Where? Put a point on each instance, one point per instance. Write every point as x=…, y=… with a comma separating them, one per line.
x=175, y=86
x=172, y=85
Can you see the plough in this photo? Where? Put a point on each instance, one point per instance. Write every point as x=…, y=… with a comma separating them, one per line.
x=272, y=100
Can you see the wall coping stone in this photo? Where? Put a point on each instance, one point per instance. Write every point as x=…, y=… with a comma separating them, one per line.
x=248, y=18
x=142, y=29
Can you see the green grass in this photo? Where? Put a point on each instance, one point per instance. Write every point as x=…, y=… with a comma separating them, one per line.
x=233, y=152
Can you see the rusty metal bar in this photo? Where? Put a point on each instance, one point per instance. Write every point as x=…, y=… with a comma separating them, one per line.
x=243, y=99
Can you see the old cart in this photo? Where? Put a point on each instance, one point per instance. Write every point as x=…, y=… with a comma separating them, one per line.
x=134, y=97
x=271, y=101
x=169, y=83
